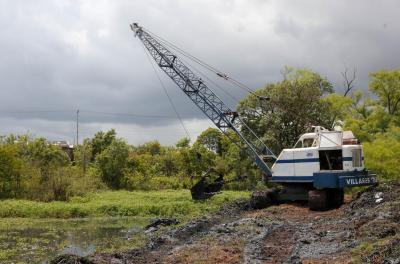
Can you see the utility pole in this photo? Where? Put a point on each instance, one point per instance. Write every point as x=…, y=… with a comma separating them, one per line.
x=77, y=127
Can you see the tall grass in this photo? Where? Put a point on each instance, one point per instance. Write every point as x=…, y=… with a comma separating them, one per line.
x=167, y=203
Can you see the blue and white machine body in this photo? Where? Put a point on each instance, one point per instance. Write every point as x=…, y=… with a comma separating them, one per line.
x=327, y=159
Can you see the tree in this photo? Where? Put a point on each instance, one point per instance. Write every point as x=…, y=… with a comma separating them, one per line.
x=200, y=160
x=45, y=156
x=288, y=108
x=112, y=162
x=183, y=143
x=168, y=162
x=151, y=147
x=369, y=117
x=142, y=164
x=83, y=154
x=386, y=85
x=10, y=171
x=382, y=154
x=185, y=157
x=339, y=108
x=348, y=82
x=211, y=139
x=101, y=141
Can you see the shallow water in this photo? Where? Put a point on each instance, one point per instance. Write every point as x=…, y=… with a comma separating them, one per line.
x=38, y=241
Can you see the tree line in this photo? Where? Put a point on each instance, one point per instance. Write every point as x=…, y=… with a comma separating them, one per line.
x=32, y=168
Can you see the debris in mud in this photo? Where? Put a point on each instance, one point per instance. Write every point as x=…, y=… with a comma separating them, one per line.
x=378, y=197
x=155, y=222
x=70, y=259
x=375, y=195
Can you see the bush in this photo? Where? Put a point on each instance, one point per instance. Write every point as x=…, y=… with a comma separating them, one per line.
x=172, y=182
x=382, y=155
x=84, y=183
x=112, y=161
x=137, y=181
x=62, y=183
x=10, y=172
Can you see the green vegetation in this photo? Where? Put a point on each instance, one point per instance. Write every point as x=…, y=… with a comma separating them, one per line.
x=169, y=203
x=34, y=169
x=375, y=120
x=282, y=111
x=305, y=98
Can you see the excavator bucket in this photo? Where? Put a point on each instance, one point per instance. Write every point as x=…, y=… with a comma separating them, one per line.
x=206, y=187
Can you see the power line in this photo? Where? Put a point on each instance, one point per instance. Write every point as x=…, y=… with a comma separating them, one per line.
x=35, y=111
x=87, y=111
x=127, y=114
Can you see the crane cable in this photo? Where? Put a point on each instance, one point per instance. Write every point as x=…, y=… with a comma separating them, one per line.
x=167, y=94
x=235, y=99
x=202, y=63
x=214, y=70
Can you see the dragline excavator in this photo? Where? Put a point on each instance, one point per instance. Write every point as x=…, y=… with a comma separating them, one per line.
x=316, y=169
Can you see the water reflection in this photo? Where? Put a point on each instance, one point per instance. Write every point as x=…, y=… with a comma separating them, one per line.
x=37, y=241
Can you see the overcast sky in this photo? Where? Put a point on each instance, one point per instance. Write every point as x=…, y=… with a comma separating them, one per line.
x=59, y=56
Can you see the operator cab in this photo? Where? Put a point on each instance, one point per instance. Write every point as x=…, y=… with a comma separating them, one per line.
x=322, y=150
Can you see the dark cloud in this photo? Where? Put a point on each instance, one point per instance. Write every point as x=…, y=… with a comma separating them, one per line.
x=65, y=55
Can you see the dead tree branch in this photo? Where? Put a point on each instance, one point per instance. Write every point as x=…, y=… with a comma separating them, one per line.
x=348, y=82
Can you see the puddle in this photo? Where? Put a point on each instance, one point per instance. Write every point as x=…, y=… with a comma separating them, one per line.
x=38, y=241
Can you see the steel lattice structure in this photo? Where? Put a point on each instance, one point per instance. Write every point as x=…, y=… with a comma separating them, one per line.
x=208, y=102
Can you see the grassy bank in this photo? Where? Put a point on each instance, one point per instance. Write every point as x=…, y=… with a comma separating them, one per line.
x=166, y=203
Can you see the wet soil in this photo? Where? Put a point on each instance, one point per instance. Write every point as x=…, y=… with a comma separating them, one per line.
x=361, y=231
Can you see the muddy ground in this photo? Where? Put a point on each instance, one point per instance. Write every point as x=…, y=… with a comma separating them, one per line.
x=364, y=230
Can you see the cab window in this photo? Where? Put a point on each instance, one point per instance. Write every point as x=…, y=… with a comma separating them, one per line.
x=305, y=143
x=299, y=144
x=308, y=142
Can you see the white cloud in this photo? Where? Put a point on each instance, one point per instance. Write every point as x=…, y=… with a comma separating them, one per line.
x=78, y=40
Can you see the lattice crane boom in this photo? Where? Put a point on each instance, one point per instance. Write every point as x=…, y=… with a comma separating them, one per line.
x=208, y=102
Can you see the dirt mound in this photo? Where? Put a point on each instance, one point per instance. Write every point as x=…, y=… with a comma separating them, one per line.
x=376, y=222
x=375, y=195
